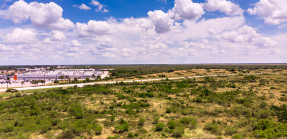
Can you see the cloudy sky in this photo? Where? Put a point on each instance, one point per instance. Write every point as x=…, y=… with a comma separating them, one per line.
x=142, y=31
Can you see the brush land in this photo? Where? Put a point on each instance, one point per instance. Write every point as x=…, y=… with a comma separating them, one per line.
x=237, y=107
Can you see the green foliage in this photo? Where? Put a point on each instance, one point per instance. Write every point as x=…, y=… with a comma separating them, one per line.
x=156, y=120
x=230, y=131
x=130, y=135
x=8, y=128
x=136, y=105
x=270, y=129
x=281, y=112
x=55, y=122
x=237, y=136
x=159, y=127
x=67, y=134
x=97, y=128
x=114, y=137
x=192, y=122
x=250, y=78
x=77, y=111
x=141, y=122
x=213, y=128
x=123, y=126
x=171, y=124
x=113, y=117
x=178, y=132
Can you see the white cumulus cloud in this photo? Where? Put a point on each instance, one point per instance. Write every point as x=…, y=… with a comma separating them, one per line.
x=93, y=28
x=47, y=15
x=186, y=9
x=161, y=20
x=224, y=6
x=246, y=34
x=274, y=12
x=21, y=36
x=84, y=7
x=100, y=7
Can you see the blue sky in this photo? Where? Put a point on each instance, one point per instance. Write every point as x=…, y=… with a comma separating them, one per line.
x=142, y=31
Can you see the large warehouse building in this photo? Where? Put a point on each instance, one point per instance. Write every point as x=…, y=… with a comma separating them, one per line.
x=56, y=74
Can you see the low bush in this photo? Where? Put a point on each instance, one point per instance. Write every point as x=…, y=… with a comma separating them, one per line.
x=171, y=124
x=213, y=128
x=123, y=126
x=155, y=120
x=141, y=122
x=178, y=132
x=237, y=136
x=230, y=131
x=97, y=128
x=159, y=127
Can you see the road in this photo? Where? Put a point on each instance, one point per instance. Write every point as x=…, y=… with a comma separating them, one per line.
x=127, y=81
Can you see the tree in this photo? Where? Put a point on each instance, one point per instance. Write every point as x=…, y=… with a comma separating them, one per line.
x=56, y=81
x=94, y=76
x=99, y=77
x=35, y=82
x=76, y=80
x=87, y=79
x=68, y=78
x=43, y=82
x=62, y=77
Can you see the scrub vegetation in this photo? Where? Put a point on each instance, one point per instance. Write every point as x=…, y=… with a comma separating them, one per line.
x=237, y=107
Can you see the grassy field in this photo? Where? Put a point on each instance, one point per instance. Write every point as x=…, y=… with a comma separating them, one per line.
x=237, y=107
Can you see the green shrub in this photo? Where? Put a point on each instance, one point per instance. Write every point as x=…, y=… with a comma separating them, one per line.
x=45, y=129
x=159, y=127
x=171, y=124
x=281, y=112
x=8, y=128
x=122, y=127
x=55, y=122
x=113, y=117
x=67, y=134
x=155, y=121
x=97, y=128
x=264, y=124
x=141, y=122
x=18, y=95
x=178, y=132
x=213, y=128
x=187, y=111
x=77, y=111
x=230, y=131
x=275, y=131
x=168, y=110
x=237, y=136
x=114, y=137
x=250, y=78
x=189, y=121
x=130, y=135
x=198, y=100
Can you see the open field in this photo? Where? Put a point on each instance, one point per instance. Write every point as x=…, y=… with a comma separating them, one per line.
x=243, y=106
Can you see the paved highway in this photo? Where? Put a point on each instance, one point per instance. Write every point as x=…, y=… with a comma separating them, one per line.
x=127, y=81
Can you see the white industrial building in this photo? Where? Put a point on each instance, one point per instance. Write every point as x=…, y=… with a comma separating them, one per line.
x=56, y=74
